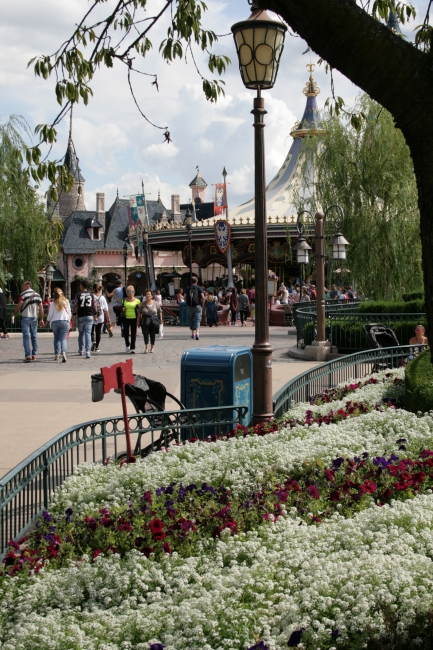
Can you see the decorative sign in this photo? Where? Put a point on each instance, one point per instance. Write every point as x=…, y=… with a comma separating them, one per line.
x=220, y=203
x=272, y=287
x=223, y=235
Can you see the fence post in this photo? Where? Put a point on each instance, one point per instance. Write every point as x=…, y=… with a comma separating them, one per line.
x=104, y=443
x=45, y=478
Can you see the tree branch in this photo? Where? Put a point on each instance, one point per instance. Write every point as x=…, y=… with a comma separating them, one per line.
x=391, y=70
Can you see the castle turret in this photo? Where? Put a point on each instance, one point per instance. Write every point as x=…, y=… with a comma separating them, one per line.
x=310, y=123
x=198, y=188
x=73, y=200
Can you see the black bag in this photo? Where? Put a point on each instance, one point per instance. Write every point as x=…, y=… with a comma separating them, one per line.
x=155, y=323
x=193, y=297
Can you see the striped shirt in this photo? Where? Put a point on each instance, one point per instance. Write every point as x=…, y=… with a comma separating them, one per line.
x=32, y=301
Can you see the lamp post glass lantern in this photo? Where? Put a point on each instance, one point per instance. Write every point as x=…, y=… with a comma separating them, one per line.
x=259, y=44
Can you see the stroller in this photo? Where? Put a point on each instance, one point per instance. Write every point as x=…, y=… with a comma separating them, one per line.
x=379, y=336
x=169, y=317
x=148, y=396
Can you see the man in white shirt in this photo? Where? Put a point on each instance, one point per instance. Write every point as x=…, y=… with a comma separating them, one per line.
x=30, y=306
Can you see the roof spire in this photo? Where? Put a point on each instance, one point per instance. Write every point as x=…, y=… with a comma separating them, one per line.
x=117, y=191
x=311, y=89
x=159, y=196
x=310, y=123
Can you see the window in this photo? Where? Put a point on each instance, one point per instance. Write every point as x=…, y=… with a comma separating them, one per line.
x=78, y=262
x=96, y=233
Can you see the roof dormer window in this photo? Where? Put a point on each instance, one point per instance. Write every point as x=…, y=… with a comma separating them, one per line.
x=94, y=229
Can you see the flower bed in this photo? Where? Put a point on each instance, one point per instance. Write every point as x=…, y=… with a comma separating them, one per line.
x=314, y=532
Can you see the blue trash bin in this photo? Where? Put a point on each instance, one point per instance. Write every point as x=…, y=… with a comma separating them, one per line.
x=217, y=376
x=183, y=314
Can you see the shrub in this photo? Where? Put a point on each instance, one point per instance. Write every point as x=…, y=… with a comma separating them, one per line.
x=419, y=383
x=414, y=295
x=349, y=334
x=393, y=307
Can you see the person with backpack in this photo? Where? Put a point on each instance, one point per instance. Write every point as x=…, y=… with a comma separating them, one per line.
x=194, y=296
x=150, y=318
x=85, y=312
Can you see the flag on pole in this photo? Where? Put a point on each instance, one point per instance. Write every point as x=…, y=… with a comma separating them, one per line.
x=137, y=209
x=220, y=203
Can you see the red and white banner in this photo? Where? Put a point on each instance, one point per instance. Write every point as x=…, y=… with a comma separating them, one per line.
x=220, y=203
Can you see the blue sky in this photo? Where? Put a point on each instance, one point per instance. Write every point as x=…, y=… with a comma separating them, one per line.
x=116, y=147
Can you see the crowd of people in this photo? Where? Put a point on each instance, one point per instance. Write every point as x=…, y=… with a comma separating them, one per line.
x=95, y=310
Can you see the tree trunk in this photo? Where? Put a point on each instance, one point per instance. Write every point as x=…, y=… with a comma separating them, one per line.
x=393, y=72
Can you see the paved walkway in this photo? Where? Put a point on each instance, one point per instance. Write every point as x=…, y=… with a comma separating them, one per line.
x=40, y=399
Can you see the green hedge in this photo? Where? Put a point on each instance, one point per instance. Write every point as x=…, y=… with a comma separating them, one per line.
x=414, y=295
x=349, y=334
x=392, y=307
x=419, y=384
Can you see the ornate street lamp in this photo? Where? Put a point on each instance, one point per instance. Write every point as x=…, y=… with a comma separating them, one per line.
x=188, y=224
x=302, y=248
x=259, y=43
x=125, y=259
x=49, y=276
x=339, y=244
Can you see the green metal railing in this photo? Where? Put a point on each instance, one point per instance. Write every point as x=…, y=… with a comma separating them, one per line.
x=305, y=315
x=344, y=326
x=26, y=490
x=354, y=366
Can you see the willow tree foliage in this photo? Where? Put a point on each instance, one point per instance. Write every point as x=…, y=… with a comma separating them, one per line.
x=27, y=239
x=369, y=173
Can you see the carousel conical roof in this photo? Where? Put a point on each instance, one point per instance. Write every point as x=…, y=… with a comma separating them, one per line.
x=279, y=192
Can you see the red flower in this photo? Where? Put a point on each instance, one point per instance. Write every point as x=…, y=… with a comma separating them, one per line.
x=159, y=536
x=167, y=548
x=369, y=487
x=387, y=494
x=148, y=550
x=335, y=495
x=313, y=491
x=418, y=477
x=96, y=553
x=329, y=475
x=147, y=497
x=156, y=526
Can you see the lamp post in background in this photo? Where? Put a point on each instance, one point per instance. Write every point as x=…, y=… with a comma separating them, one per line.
x=302, y=249
x=125, y=259
x=49, y=275
x=188, y=224
x=320, y=347
x=146, y=255
x=259, y=43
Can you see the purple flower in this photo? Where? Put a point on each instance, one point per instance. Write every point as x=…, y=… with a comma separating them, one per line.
x=393, y=457
x=259, y=646
x=400, y=440
x=160, y=491
x=46, y=516
x=169, y=489
x=156, y=646
x=295, y=638
x=381, y=462
x=337, y=463
x=191, y=488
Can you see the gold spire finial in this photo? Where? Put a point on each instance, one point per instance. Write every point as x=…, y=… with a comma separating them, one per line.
x=311, y=89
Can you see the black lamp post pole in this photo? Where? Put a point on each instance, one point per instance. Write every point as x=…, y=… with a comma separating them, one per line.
x=262, y=349
x=190, y=252
x=125, y=258
x=146, y=257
